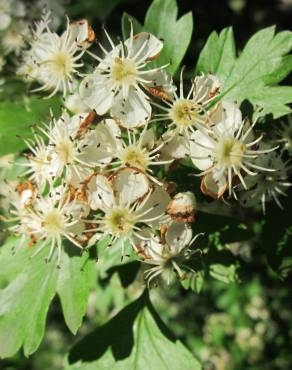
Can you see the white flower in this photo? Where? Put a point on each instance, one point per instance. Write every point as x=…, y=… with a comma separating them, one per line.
x=226, y=150
x=186, y=113
x=54, y=60
x=39, y=162
x=72, y=147
x=285, y=135
x=50, y=219
x=8, y=10
x=267, y=186
x=118, y=81
x=19, y=197
x=127, y=202
x=168, y=251
x=13, y=40
x=141, y=152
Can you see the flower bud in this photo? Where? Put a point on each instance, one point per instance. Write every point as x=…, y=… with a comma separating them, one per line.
x=182, y=207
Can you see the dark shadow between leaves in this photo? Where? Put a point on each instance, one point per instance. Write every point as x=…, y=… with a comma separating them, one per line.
x=117, y=334
x=247, y=109
x=277, y=221
x=127, y=272
x=72, y=251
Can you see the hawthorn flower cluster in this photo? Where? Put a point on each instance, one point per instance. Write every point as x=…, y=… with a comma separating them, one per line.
x=16, y=17
x=101, y=168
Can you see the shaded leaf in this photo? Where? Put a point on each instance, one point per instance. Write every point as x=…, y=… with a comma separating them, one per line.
x=135, y=338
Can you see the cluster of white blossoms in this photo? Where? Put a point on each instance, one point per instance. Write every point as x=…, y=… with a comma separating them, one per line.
x=16, y=17
x=101, y=169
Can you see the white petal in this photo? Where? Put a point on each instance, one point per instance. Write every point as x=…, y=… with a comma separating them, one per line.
x=75, y=104
x=153, y=250
x=160, y=84
x=175, y=148
x=110, y=134
x=178, y=236
x=99, y=193
x=102, y=144
x=200, y=152
x=67, y=126
x=82, y=33
x=157, y=202
x=215, y=188
x=129, y=185
x=206, y=87
x=231, y=118
x=76, y=229
x=151, y=45
x=74, y=178
x=133, y=112
x=148, y=139
x=96, y=92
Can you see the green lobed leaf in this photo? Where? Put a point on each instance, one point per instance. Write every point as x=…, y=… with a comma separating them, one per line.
x=226, y=274
x=126, y=25
x=262, y=63
x=194, y=281
x=176, y=33
x=29, y=286
x=17, y=116
x=75, y=278
x=135, y=339
x=218, y=55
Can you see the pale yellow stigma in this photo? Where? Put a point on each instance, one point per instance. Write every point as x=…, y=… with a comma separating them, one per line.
x=65, y=152
x=61, y=64
x=124, y=72
x=54, y=223
x=230, y=152
x=120, y=221
x=184, y=113
x=136, y=157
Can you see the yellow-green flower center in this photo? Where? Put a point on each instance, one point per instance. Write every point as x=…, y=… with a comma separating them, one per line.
x=184, y=113
x=136, y=157
x=65, y=152
x=120, y=221
x=230, y=152
x=61, y=64
x=54, y=222
x=124, y=71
